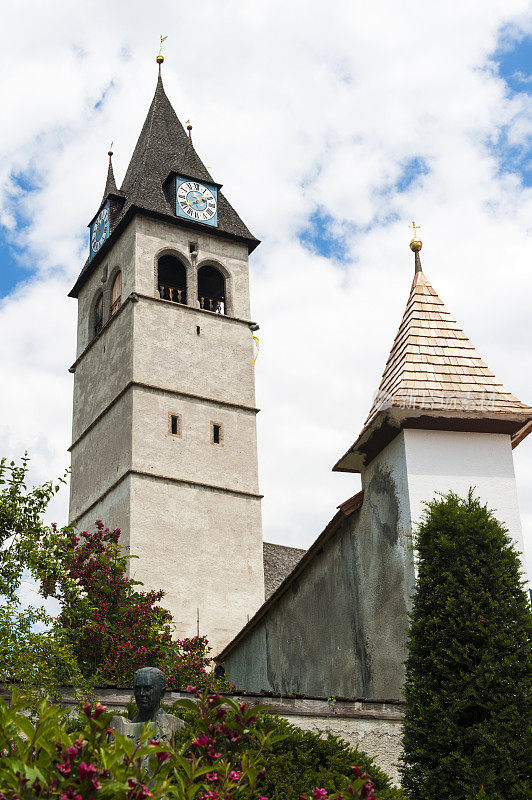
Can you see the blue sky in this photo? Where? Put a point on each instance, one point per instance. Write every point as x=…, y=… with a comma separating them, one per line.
x=514, y=66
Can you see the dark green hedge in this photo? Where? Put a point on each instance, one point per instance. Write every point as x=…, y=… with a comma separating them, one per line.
x=467, y=729
x=303, y=760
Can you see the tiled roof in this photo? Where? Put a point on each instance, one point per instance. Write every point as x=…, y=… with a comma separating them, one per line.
x=110, y=183
x=279, y=561
x=163, y=147
x=433, y=366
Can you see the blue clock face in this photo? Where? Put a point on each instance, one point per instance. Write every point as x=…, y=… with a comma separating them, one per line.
x=196, y=201
x=100, y=229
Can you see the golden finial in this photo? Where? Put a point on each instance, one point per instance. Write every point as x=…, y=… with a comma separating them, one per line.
x=189, y=128
x=110, y=151
x=160, y=57
x=415, y=243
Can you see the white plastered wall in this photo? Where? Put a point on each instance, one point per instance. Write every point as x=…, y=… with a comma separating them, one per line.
x=443, y=461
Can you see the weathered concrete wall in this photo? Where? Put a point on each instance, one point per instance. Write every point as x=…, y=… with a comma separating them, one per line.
x=340, y=627
x=191, y=455
x=204, y=548
x=103, y=371
x=113, y=510
x=374, y=728
x=102, y=456
x=169, y=352
x=379, y=738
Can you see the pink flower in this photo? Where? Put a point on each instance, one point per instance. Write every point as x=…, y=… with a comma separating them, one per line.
x=98, y=709
x=212, y=776
x=319, y=794
x=233, y=776
x=162, y=757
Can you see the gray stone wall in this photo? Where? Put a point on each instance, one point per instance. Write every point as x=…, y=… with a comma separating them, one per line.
x=188, y=507
x=339, y=627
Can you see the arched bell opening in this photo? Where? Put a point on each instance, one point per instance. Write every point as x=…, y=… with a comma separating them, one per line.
x=211, y=289
x=172, y=279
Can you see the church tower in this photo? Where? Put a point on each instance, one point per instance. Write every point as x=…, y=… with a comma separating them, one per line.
x=164, y=419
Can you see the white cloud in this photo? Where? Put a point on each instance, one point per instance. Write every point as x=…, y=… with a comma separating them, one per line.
x=295, y=105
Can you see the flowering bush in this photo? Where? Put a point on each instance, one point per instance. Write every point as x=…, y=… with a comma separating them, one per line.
x=113, y=627
x=226, y=760
x=298, y=762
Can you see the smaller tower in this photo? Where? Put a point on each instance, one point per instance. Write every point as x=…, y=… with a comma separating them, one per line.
x=441, y=420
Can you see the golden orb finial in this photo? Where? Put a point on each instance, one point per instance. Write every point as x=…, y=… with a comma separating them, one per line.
x=415, y=243
x=160, y=58
x=189, y=128
x=110, y=151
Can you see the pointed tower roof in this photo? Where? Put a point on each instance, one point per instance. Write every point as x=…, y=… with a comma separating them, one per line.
x=162, y=146
x=110, y=183
x=163, y=149
x=434, y=379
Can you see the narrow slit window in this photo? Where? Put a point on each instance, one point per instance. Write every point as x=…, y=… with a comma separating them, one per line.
x=175, y=424
x=216, y=433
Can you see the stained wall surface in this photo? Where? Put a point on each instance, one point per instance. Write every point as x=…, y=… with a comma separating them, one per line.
x=339, y=628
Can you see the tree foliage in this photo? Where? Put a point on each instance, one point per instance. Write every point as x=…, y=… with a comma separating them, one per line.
x=108, y=625
x=299, y=761
x=467, y=729
x=223, y=754
x=31, y=651
x=114, y=627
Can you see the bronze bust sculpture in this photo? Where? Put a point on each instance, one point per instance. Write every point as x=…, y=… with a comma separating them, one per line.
x=149, y=688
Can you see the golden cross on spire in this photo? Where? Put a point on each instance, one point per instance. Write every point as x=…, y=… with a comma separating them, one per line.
x=415, y=243
x=163, y=39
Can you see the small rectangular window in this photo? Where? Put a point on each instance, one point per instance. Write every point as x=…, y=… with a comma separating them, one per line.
x=216, y=433
x=175, y=424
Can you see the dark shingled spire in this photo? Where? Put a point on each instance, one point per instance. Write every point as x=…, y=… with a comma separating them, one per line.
x=110, y=183
x=163, y=148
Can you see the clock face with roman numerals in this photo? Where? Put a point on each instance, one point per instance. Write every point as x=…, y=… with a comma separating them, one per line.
x=99, y=230
x=196, y=201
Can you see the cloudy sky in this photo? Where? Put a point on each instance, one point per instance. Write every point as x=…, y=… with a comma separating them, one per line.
x=331, y=126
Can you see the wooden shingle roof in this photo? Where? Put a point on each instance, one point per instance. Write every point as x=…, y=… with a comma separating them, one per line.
x=435, y=379
x=433, y=366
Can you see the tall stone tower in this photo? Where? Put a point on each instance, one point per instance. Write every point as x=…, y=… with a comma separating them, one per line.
x=164, y=431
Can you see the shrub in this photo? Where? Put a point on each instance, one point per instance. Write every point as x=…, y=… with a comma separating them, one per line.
x=467, y=728
x=299, y=761
x=113, y=627
x=223, y=755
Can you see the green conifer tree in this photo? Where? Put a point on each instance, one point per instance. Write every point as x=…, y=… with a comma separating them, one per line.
x=467, y=729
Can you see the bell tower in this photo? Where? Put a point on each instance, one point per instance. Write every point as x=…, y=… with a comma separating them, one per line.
x=164, y=430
